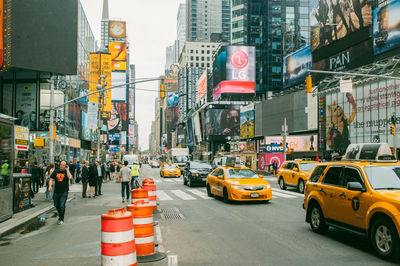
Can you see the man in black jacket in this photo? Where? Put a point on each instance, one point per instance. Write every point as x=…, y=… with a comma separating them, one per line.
x=35, y=171
x=85, y=178
x=100, y=177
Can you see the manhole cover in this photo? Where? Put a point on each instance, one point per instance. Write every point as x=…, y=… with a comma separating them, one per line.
x=171, y=214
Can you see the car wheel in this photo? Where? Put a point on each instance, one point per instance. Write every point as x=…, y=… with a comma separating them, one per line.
x=317, y=220
x=385, y=239
x=300, y=186
x=225, y=196
x=190, y=182
x=184, y=181
x=282, y=184
x=209, y=191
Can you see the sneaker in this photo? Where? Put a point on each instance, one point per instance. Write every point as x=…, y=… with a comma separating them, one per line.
x=60, y=222
x=123, y=200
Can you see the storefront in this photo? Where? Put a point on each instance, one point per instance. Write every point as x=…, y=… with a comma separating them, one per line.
x=6, y=170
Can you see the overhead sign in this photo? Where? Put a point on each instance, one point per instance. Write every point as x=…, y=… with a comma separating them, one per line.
x=295, y=67
x=21, y=136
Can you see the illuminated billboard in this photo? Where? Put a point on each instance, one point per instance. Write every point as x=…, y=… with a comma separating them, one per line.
x=247, y=122
x=118, y=65
x=117, y=29
x=118, y=119
x=234, y=71
x=223, y=122
x=100, y=64
x=117, y=51
x=202, y=85
x=332, y=20
x=295, y=67
x=118, y=79
x=172, y=98
x=386, y=27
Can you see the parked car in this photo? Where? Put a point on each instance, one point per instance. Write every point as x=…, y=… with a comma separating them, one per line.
x=196, y=172
x=154, y=164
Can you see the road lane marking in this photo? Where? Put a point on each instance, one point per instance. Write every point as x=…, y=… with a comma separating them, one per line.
x=168, y=180
x=199, y=193
x=172, y=260
x=282, y=195
x=182, y=195
x=161, y=195
x=159, y=239
x=288, y=192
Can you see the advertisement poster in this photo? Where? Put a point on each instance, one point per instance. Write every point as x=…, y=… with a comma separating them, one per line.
x=265, y=159
x=333, y=20
x=117, y=121
x=100, y=64
x=131, y=134
x=386, y=27
x=223, y=122
x=123, y=138
x=295, y=67
x=117, y=29
x=131, y=103
x=202, y=85
x=118, y=79
x=363, y=116
x=21, y=192
x=113, y=139
x=92, y=116
x=21, y=137
x=190, y=132
x=173, y=98
x=117, y=51
x=25, y=110
x=247, y=122
x=296, y=143
x=197, y=129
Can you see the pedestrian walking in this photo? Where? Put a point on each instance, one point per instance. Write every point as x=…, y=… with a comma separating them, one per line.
x=92, y=180
x=107, y=171
x=112, y=170
x=100, y=176
x=49, y=190
x=275, y=167
x=35, y=178
x=85, y=178
x=135, y=176
x=125, y=176
x=71, y=167
x=77, y=172
x=60, y=178
x=41, y=179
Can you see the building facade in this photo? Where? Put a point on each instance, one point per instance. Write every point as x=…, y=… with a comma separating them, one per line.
x=198, y=54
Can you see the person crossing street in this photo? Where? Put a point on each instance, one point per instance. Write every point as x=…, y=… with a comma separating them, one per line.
x=135, y=176
x=125, y=176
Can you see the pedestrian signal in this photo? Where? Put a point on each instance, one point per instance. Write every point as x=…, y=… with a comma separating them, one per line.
x=308, y=84
x=393, y=130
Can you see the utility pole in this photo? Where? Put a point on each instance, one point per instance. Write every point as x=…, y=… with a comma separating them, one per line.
x=284, y=129
x=393, y=120
x=100, y=109
x=51, y=132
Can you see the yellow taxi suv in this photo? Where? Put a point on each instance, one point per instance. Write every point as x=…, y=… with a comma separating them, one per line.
x=237, y=184
x=170, y=170
x=295, y=174
x=360, y=194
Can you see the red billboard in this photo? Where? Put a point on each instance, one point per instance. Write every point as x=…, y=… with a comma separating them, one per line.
x=229, y=86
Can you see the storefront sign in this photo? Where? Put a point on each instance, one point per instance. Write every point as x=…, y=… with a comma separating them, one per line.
x=21, y=136
x=266, y=159
x=296, y=143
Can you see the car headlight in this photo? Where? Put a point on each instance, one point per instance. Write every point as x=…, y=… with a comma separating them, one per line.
x=267, y=186
x=237, y=187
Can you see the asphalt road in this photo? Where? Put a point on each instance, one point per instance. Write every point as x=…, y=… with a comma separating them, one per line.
x=195, y=230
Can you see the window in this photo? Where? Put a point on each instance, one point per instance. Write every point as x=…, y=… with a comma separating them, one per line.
x=317, y=173
x=351, y=175
x=332, y=177
x=304, y=10
x=202, y=58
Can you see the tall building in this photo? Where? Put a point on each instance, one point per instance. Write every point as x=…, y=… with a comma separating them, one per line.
x=104, y=25
x=276, y=28
x=198, y=54
x=169, y=57
x=226, y=20
x=203, y=20
x=180, y=28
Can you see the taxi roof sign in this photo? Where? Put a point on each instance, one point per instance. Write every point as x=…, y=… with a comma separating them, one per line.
x=369, y=152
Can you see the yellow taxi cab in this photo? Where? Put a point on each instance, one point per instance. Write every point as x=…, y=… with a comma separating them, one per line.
x=295, y=174
x=237, y=183
x=170, y=170
x=360, y=194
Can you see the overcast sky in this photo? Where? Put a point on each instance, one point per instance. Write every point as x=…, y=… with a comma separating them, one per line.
x=151, y=27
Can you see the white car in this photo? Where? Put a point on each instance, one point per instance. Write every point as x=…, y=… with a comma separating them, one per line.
x=154, y=164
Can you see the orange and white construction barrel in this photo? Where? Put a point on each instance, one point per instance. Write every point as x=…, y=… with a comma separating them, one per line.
x=151, y=190
x=118, y=238
x=139, y=194
x=148, y=180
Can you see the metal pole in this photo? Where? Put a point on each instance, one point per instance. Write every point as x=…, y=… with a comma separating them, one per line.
x=51, y=132
x=394, y=136
x=284, y=138
x=352, y=74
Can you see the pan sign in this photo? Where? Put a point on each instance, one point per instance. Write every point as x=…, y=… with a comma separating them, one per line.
x=21, y=136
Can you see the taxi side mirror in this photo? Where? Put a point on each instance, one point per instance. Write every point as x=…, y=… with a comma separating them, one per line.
x=355, y=186
x=220, y=177
x=295, y=169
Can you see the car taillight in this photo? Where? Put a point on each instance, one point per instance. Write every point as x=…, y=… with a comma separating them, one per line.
x=305, y=189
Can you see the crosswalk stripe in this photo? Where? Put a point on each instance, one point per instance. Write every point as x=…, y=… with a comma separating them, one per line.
x=288, y=192
x=182, y=195
x=199, y=193
x=161, y=195
x=168, y=180
x=274, y=193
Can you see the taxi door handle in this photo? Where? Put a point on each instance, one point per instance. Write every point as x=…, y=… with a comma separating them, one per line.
x=342, y=195
x=322, y=190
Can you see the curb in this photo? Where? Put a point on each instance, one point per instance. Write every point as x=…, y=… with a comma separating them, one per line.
x=26, y=220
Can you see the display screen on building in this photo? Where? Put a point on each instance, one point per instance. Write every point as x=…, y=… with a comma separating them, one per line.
x=386, y=27
x=202, y=85
x=100, y=64
x=363, y=116
x=247, y=122
x=117, y=29
x=296, y=143
x=333, y=20
x=118, y=79
x=117, y=51
x=223, y=122
x=295, y=67
x=172, y=98
x=118, y=121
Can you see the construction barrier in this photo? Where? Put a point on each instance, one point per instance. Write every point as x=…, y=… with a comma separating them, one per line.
x=148, y=180
x=139, y=194
x=142, y=214
x=117, y=238
x=151, y=189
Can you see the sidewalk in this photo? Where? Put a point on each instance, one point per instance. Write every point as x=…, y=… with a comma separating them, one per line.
x=41, y=206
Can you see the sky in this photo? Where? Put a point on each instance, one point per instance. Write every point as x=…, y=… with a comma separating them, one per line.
x=151, y=27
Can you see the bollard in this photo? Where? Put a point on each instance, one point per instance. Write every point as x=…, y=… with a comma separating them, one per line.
x=148, y=180
x=142, y=213
x=117, y=238
x=139, y=194
x=151, y=189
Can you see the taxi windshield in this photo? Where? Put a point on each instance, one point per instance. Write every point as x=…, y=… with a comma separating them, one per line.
x=241, y=173
x=308, y=167
x=169, y=166
x=385, y=177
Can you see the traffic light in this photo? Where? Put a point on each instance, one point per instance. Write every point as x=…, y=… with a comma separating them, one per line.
x=393, y=130
x=308, y=84
x=162, y=91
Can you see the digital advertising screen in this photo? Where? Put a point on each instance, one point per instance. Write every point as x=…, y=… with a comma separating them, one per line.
x=173, y=98
x=118, y=79
x=117, y=51
x=247, y=122
x=223, y=122
x=386, y=27
x=295, y=67
x=117, y=121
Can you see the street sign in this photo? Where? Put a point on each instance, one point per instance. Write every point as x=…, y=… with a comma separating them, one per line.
x=21, y=136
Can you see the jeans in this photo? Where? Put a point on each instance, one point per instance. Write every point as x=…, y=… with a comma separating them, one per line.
x=134, y=182
x=99, y=184
x=35, y=184
x=125, y=188
x=84, y=188
x=59, y=202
